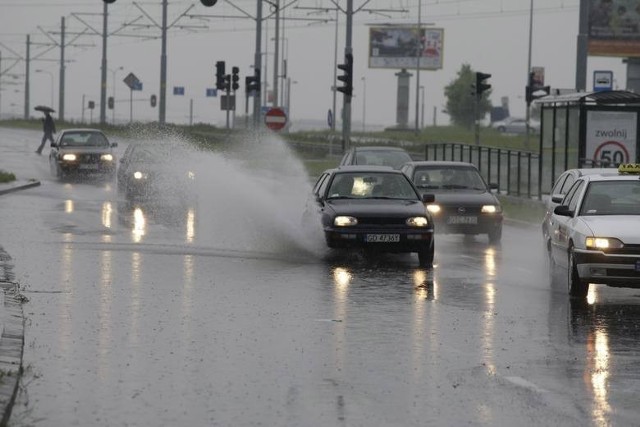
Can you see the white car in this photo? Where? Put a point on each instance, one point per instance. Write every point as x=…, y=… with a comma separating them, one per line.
x=595, y=231
x=561, y=187
x=516, y=125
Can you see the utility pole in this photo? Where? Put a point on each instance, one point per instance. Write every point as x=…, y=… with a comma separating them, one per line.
x=257, y=64
x=418, y=55
x=62, y=67
x=163, y=66
x=26, y=78
x=346, y=99
x=528, y=109
x=582, y=48
x=103, y=76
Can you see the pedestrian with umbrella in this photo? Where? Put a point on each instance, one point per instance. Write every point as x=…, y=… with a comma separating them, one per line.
x=48, y=126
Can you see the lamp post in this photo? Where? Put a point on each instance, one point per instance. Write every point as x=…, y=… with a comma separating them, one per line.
x=51, y=77
x=364, y=102
x=113, y=93
x=422, y=111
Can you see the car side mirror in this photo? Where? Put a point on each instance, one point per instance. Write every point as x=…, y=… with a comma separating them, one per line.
x=53, y=144
x=428, y=198
x=114, y=144
x=494, y=187
x=563, y=210
x=557, y=198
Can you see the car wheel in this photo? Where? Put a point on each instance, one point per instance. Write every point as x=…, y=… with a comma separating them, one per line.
x=577, y=287
x=425, y=256
x=495, y=235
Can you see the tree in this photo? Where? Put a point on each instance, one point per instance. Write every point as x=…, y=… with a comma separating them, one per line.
x=460, y=94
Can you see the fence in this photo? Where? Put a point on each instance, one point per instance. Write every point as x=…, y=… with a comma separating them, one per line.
x=515, y=172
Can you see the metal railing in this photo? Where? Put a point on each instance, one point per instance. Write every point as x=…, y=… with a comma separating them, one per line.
x=515, y=172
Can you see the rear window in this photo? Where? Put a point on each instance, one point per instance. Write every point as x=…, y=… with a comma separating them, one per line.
x=394, y=158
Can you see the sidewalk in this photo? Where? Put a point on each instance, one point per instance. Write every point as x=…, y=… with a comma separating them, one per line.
x=11, y=322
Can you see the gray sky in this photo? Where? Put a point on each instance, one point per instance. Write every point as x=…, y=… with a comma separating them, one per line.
x=490, y=35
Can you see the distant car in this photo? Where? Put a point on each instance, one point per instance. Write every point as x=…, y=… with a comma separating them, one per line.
x=561, y=187
x=376, y=156
x=376, y=209
x=154, y=172
x=595, y=231
x=516, y=125
x=464, y=203
x=82, y=151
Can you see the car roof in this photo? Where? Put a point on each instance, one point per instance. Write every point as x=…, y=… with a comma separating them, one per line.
x=441, y=163
x=378, y=148
x=593, y=171
x=363, y=168
x=81, y=130
x=610, y=177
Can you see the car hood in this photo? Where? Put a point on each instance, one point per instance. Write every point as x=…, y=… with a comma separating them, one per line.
x=376, y=207
x=463, y=198
x=623, y=227
x=82, y=150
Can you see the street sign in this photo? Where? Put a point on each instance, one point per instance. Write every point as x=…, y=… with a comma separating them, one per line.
x=275, y=119
x=178, y=90
x=602, y=80
x=132, y=81
x=228, y=102
x=212, y=92
x=330, y=118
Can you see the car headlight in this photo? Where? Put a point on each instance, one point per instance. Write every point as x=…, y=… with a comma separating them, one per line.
x=491, y=209
x=603, y=243
x=434, y=209
x=139, y=175
x=191, y=175
x=107, y=157
x=69, y=157
x=417, y=221
x=345, y=221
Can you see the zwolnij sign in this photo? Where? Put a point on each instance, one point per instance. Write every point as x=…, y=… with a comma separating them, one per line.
x=611, y=136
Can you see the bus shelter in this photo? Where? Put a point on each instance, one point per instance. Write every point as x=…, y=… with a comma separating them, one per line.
x=582, y=130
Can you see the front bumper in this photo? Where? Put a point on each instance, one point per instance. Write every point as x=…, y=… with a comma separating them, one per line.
x=618, y=270
x=413, y=240
x=102, y=167
x=468, y=224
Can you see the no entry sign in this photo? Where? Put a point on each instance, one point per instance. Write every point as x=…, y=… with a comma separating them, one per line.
x=275, y=119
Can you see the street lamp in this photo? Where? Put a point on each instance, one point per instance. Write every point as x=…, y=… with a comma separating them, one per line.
x=113, y=88
x=51, y=77
x=422, y=112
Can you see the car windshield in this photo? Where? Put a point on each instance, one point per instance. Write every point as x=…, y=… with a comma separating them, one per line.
x=447, y=178
x=83, y=139
x=393, y=158
x=371, y=185
x=612, y=198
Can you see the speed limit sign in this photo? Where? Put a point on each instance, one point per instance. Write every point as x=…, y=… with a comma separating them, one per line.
x=612, y=152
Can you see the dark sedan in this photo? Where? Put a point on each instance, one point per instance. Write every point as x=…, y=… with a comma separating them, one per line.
x=376, y=156
x=464, y=202
x=82, y=151
x=155, y=173
x=374, y=208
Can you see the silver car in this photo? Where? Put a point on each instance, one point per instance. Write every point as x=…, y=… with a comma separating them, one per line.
x=595, y=231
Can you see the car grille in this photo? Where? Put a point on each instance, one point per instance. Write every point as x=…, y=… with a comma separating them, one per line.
x=626, y=250
x=461, y=210
x=381, y=221
x=89, y=158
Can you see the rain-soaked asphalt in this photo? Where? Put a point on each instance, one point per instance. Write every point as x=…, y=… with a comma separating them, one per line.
x=224, y=312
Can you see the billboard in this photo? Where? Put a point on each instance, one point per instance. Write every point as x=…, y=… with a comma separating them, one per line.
x=402, y=46
x=614, y=28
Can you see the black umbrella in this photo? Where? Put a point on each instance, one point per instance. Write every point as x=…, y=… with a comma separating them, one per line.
x=44, y=109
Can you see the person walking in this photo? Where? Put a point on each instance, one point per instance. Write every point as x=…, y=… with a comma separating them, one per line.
x=49, y=128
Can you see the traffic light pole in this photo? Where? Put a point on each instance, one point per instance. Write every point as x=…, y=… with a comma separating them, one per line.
x=257, y=64
x=346, y=104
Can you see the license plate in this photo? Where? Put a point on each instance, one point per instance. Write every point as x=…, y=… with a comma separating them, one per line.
x=88, y=166
x=382, y=238
x=462, y=220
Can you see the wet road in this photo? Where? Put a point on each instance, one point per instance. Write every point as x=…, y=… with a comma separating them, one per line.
x=226, y=313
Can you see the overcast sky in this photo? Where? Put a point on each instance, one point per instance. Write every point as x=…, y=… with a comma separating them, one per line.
x=490, y=35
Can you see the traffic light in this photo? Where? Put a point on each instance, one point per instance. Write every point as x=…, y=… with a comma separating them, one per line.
x=220, y=83
x=481, y=86
x=109, y=1
x=252, y=83
x=207, y=3
x=110, y=102
x=347, y=77
x=235, y=78
x=535, y=91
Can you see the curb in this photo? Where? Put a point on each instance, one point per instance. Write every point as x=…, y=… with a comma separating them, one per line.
x=11, y=340
x=17, y=185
